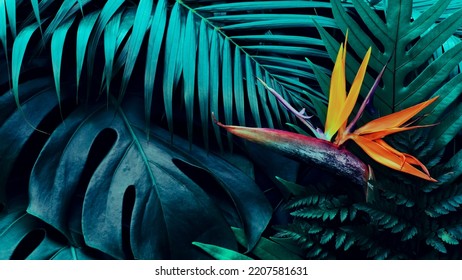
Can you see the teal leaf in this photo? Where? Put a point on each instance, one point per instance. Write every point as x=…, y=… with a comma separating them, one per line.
x=19, y=49
x=11, y=11
x=272, y=100
x=140, y=26
x=409, y=233
x=83, y=34
x=108, y=11
x=135, y=170
x=14, y=130
x=447, y=238
x=156, y=35
x=227, y=84
x=215, y=83
x=111, y=33
x=293, y=188
x=35, y=8
x=65, y=11
x=449, y=127
x=340, y=239
x=3, y=30
x=436, y=244
x=189, y=71
x=297, y=129
x=259, y=5
x=448, y=94
x=266, y=249
x=262, y=94
x=203, y=80
x=221, y=253
x=57, y=48
x=327, y=236
x=426, y=19
x=239, y=87
x=251, y=90
x=322, y=78
x=171, y=57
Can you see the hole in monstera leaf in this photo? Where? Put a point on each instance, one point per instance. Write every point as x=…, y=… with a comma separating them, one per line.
x=28, y=244
x=213, y=188
x=99, y=149
x=127, y=210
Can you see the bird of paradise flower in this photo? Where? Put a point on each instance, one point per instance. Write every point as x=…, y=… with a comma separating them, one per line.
x=368, y=137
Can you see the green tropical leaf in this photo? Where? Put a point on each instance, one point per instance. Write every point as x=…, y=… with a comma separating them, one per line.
x=203, y=84
x=66, y=11
x=57, y=47
x=221, y=253
x=83, y=34
x=19, y=49
x=3, y=30
x=156, y=35
x=25, y=237
x=140, y=26
x=214, y=83
x=171, y=60
x=189, y=57
x=108, y=11
x=266, y=249
x=36, y=9
x=11, y=11
x=111, y=33
x=139, y=189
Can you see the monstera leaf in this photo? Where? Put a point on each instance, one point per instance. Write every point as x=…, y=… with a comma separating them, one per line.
x=412, y=75
x=103, y=185
x=23, y=236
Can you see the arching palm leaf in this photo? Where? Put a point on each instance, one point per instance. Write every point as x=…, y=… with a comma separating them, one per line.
x=250, y=39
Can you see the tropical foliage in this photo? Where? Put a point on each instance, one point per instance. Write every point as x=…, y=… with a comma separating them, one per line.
x=108, y=149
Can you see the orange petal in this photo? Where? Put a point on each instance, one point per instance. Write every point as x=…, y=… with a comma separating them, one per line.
x=407, y=157
x=393, y=120
x=383, y=155
x=382, y=133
